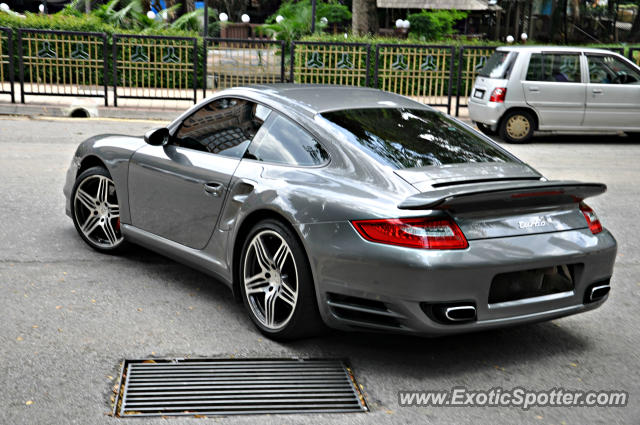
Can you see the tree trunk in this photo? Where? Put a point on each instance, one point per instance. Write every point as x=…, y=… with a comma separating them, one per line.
x=635, y=29
x=87, y=6
x=365, y=17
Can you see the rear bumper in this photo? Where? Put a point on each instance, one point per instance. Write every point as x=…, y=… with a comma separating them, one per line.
x=397, y=280
x=486, y=113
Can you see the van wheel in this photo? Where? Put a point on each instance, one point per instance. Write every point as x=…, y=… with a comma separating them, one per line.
x=517, y=127
x=485, y=129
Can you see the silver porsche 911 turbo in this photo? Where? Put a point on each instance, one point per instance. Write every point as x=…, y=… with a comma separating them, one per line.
x=350, y=207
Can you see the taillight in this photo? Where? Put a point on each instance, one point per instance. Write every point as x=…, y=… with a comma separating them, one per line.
x=441, y=233
x=591, y=217
x=498, y=94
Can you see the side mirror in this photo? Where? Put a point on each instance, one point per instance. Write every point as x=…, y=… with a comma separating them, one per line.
x=157, y=136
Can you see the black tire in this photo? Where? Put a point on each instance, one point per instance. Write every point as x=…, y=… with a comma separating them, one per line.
x=485, y=129
x=304, y=319
x=517, y=126
x=107, y=236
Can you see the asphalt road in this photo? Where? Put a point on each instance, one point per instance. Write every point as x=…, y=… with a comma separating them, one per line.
x=70, y=315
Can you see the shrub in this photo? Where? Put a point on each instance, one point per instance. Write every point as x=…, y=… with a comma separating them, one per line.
x=434, y=25
x=297, y=18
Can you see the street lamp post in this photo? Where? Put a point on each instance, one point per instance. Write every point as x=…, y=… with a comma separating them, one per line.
x=313, y=16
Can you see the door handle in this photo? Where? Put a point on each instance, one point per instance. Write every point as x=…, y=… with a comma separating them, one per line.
x=596, y=91
x=534, y=89
x=214, y=189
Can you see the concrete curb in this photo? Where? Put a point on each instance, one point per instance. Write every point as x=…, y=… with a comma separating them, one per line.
x=89, y=111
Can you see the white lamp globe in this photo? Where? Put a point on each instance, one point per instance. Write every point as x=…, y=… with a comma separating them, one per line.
x=164, y=15
x=4, y=7
x=279, y=18
x=151, y=14
x=41, y=8
x=524, y=36
x=399, y=23
x=324, y=20
x=223, y=17
x=245, y=18
x=406, y=24
x=510, y=39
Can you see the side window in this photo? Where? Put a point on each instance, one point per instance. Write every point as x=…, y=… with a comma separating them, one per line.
x=225, y=127
x=284, y=142
x=554, y=67
x=604, y=69
x=534, y=72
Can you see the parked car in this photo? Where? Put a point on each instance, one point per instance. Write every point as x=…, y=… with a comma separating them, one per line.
x=555, y=89
x=346, y=206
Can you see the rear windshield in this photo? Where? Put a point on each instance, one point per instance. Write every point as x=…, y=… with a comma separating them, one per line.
x=409, y=138
x=498, y=65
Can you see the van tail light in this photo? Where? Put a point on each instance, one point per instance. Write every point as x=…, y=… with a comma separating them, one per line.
x=591, y=217
x=426, y=233
x=498, y=94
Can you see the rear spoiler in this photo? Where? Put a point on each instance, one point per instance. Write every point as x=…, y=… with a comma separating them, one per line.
x=504, y=195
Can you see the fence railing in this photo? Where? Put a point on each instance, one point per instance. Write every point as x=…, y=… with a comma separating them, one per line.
x=330, y=63
x=6, y=63
x=470, y=61
x=69, y=63
x=155, y=67
x=421, y=71
x=62, y=63
x=634, y=55
x=231, y=62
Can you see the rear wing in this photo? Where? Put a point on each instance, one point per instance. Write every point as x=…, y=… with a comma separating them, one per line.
x=504, y=195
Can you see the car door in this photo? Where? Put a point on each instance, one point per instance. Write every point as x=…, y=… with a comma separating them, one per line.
x=555, y=89
x=613, y=93
x=176, y=191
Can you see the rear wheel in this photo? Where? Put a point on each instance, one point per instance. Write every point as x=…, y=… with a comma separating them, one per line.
x=517, y=127
x=485, y=129
x=276, y=283
x=95, y=210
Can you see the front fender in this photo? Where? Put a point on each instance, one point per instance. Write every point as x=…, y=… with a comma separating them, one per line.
x=114, y=151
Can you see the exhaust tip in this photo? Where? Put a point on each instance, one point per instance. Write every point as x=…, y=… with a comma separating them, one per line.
x=598, y=292
x=450, y=313
x=463, y=313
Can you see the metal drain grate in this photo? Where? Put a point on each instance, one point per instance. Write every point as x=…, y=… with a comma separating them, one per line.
x=201, y=387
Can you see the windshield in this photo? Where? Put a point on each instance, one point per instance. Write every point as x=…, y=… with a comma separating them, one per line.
x=498, y=65
x=409, y=138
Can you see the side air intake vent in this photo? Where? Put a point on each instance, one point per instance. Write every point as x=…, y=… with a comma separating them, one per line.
x=364, y=312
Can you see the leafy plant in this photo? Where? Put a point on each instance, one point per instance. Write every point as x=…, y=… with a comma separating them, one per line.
x=297, y=18
x=434, y=25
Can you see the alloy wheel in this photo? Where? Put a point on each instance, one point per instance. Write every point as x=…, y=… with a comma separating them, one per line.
x=270, y=279
x=97, y=212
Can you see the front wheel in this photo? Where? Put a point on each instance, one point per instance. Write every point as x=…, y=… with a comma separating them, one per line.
x=95, y=210
x=276, y=283
x=517, y=127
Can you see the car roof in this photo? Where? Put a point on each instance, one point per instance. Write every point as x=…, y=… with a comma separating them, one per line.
x=313, y=99
x=555, y=49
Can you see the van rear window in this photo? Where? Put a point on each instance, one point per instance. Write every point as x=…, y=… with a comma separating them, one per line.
x=498, y=65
